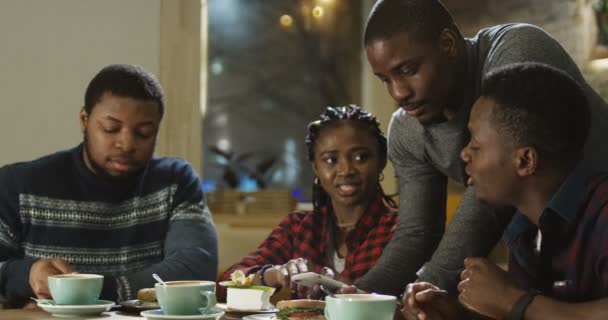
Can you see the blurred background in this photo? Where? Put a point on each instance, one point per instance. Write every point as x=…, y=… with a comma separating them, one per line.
x=243, y=78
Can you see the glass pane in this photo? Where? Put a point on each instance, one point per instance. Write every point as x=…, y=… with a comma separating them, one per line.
x=273, y=66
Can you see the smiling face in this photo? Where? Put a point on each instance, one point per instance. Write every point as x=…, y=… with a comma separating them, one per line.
x=417, y=75
x=491, y=158
x=119, y=135
x=348, y=163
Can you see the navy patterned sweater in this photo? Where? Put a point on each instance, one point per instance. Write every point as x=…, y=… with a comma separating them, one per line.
x=55, y=207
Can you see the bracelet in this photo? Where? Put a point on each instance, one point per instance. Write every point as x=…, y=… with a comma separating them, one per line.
x=262, y=270
x=519, y=308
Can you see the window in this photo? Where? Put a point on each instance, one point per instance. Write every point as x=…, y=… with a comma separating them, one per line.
x=274, y=65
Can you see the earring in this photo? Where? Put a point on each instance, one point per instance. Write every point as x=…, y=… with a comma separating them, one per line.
x=316, y=181
x=381, y=177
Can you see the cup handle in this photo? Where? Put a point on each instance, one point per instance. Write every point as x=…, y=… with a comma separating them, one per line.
x=210, y=295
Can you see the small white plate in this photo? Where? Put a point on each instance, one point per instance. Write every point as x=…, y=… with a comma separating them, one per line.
x=224, y=307
x=263, y=316
x=75, y=310
x=212, y=313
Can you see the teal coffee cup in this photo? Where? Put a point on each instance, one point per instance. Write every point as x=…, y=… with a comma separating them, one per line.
x=185, y=297
x=360, y=306
x=75, y=288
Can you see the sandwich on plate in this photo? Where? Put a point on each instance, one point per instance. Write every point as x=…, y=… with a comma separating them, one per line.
x=304, y=309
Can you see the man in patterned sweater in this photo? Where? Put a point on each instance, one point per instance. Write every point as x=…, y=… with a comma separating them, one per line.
x=106, y=206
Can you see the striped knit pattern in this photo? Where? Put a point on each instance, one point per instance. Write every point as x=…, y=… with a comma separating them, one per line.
x=57, y=215
x=54, y=207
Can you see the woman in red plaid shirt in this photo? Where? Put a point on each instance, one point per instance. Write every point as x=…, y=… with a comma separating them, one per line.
x=352, y=220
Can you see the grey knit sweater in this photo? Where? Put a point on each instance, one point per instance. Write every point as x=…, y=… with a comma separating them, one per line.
x=425, y=156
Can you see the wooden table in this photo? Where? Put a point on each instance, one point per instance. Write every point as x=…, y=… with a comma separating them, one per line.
x=20, y=314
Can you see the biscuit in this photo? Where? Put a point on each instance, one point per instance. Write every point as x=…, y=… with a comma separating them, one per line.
x=147, y=295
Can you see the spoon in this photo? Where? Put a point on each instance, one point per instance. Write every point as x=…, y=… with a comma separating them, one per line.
x=157, y=278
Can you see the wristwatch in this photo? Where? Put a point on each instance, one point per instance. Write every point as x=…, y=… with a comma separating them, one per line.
x=519, y=308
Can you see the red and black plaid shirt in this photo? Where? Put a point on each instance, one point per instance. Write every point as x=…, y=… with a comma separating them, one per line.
x=572, y=264
x=304, y=234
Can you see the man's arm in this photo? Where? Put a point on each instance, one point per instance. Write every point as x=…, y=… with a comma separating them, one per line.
x=190, y=248
x=421, y=222
x=482, y=279
x=14, y=269
x=473, y=232
x=190, y=253
x=546, y=308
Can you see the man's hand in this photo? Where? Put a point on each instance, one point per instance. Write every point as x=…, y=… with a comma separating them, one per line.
x=424, y=301
x=486, y=289
x=41, y=270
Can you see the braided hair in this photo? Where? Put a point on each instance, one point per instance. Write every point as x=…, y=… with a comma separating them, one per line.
x=330, y=117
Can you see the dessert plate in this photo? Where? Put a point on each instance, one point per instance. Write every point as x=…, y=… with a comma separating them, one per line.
x=223, y=306
x=212, y=313
x=75, y=310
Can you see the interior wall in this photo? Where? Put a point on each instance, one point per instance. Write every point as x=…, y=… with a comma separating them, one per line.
x=376, y=100
x=571, y=22
x=183, y=73
x=50, y=51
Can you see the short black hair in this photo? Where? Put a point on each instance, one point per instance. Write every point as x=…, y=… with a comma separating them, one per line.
x=425, y=19
x=124, y=80
x=331, y=117
x=540, y=106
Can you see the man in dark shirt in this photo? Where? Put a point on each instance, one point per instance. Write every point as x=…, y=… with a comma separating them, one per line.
x=528, y=130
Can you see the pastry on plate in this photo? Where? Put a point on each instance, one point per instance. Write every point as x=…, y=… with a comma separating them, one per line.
x=147, y=297
x=242, y=295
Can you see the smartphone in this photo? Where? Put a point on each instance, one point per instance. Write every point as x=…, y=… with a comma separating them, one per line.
x=309, y=279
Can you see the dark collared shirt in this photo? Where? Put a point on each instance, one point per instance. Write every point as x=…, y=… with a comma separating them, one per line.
x=572, y=264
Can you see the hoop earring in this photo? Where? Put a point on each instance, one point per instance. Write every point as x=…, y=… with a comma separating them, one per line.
x=381, y=177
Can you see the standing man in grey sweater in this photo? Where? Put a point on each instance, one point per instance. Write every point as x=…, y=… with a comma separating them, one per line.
x=435, y=75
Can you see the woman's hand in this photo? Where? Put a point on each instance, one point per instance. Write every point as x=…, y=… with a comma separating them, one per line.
x=280, y=276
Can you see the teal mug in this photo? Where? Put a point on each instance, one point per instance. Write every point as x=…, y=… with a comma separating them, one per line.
x=185, y=297
x=360, y=306
x=75, y=288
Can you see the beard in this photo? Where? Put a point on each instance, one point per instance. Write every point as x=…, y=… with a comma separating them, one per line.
x=99, y=171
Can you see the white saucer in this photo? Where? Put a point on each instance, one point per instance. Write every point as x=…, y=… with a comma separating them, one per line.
x=263, y=316
x=212, y=313
x=224, y=307
x=75, y=310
